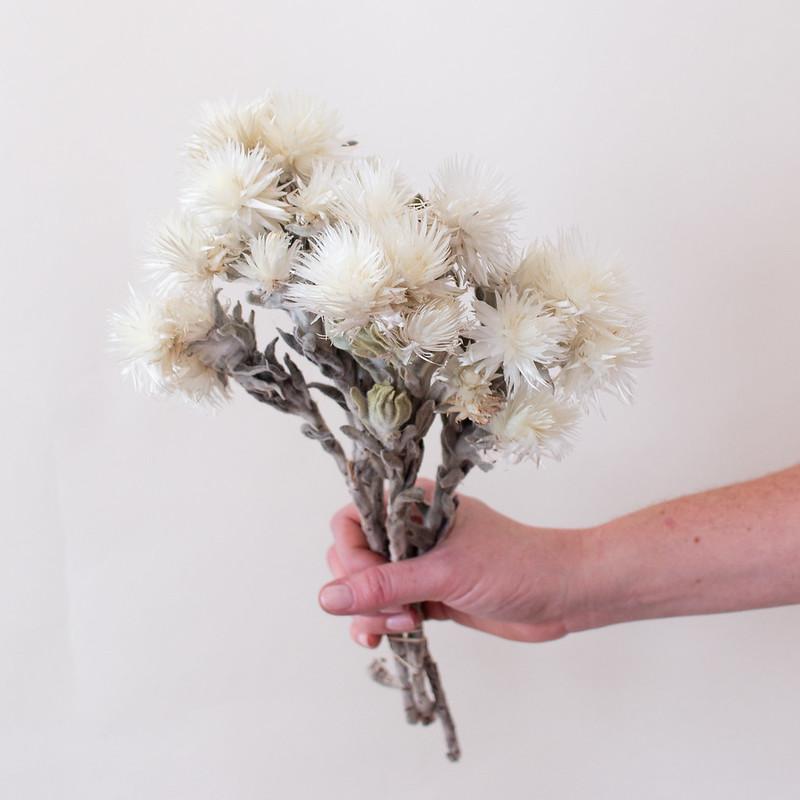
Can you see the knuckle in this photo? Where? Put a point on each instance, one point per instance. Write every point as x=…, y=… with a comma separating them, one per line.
x=442, y=565
x=377, y=587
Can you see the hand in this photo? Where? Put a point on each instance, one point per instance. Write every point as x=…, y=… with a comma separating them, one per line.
x=490, y=573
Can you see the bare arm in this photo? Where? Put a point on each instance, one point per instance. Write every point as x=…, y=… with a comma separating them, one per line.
x=728, y=549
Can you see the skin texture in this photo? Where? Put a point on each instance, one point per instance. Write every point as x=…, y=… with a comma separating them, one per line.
x=727, y=549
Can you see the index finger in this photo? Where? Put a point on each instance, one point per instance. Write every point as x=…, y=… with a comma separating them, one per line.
x=350, y=542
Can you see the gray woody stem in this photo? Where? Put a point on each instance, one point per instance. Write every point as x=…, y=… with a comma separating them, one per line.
x=392, y=526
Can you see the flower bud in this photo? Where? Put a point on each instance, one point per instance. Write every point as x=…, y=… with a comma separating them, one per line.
x=369, y=343
x=230, y=342
x=388, y=409
x=360, y=403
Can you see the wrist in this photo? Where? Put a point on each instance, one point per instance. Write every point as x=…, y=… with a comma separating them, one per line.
x=600, y=593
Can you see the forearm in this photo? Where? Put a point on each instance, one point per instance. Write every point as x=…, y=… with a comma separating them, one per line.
x=729, y=549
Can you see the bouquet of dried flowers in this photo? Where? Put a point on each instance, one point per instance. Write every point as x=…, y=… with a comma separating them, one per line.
x=410, y=305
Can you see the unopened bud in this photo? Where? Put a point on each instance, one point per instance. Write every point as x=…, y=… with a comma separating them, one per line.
x=388, y=409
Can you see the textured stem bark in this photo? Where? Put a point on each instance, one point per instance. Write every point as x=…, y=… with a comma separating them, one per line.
x=374, y=467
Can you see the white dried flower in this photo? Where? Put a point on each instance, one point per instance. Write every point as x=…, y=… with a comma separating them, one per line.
x=469, y=393
x=434, y=327
x=229, y=122
x=532, y=424
x=154, y=337
x=476, y=205
x=314, y=200
x=235, y=193
x=348, y=281
x=268, y=260
x=608, y=338
x=522, y=336
x=183, y=253
x=298, y=129
x=417, y=248
x=371, y=191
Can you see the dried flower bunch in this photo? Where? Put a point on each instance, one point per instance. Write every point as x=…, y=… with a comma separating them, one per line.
x=410, y=305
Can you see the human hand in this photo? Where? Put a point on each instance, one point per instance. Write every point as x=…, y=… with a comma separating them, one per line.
x=490, y=573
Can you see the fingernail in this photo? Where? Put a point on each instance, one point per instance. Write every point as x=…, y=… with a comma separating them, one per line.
x=336, y=598
x=400, y=622
x=363, y=640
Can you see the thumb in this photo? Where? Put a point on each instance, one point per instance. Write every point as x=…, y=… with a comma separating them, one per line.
x=413, y=580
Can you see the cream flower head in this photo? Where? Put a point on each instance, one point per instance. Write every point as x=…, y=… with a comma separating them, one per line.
x=235, y=193
x=155, y=336
x=608, y=340
x=298, y=129
x=268, y=260
x=345, y=279
x=532, y=424
x=478, y=208
x=521, y=338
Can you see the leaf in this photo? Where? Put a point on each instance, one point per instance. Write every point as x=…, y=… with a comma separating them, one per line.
x=365, y=439
x=291, y=341
x=449, y=480
x=330, y=391
x=391, y=460
x=269, y=350
x=424, y=416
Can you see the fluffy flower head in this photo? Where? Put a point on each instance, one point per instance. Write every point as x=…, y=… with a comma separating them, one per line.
x=298, y=129
x=347, y=279
x=521, y=336
x=183, y=253
x=469, y=393
x=608, y=339
x=434, y=327
x=372, y=192
x=417, y=248
x=154, y=337
x=229, y=122
x=235, y=193
x=268, y=261
x=476, y=205
x=314, y=200
x=532, y=424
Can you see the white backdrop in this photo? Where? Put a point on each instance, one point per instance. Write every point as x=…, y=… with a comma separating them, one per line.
x=159, y=566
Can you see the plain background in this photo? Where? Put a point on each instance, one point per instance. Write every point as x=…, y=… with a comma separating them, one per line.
x=159, y=566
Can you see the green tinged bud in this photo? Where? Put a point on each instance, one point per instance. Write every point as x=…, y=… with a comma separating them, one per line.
x=360, y=402
x=369, y=343
x=366, y=342
x=388, y=410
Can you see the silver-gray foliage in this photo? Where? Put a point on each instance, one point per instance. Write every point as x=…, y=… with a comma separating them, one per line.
x=389, y=410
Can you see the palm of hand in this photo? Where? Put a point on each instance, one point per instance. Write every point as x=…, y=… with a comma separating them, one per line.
x=491, y=573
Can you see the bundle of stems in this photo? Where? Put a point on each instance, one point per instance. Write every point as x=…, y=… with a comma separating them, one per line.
x=410, y=305
x=387, y=421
